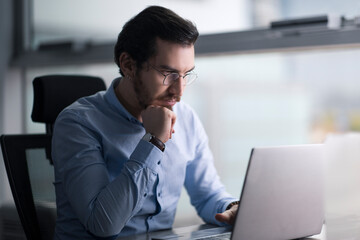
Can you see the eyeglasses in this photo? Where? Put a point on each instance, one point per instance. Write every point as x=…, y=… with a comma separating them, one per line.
x=170, y=78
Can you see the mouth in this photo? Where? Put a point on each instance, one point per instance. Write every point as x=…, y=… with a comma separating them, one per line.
x=169, y=102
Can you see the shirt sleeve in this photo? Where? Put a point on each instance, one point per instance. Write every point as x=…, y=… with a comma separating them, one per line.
x=207, y=193
x=103, y=207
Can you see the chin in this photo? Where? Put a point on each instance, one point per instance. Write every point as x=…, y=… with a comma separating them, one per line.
x=169, y=107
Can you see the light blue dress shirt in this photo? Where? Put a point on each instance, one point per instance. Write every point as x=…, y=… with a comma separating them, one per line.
x=109, y=182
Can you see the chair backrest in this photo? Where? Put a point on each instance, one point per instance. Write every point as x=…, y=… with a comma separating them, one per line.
x=52, y=93
x=26, y=156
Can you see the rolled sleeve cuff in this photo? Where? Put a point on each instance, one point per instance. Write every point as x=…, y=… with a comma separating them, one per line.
x=226, y=204
x=148, y=155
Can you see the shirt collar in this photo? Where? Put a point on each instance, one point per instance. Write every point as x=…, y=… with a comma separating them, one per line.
x=110, y=96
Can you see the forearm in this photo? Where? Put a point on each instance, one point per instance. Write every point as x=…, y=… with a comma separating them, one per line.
x=119, y=201
x=105, y=207
x=217, y=203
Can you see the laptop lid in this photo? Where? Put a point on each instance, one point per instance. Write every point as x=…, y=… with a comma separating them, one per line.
x=282, y=196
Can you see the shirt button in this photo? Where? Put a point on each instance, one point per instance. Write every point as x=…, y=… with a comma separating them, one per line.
x=145, y=194
x=159, y=194
x=158, y=162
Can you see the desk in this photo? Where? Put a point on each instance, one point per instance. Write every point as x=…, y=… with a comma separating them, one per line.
x=185, y=231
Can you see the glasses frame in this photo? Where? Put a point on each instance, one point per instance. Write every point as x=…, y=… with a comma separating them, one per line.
x=187, y=83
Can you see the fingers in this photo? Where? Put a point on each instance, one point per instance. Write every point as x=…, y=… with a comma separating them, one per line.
x=228, y=216
x=173, y=120
x=225, y=217
x=159, y=121
x=221, y=218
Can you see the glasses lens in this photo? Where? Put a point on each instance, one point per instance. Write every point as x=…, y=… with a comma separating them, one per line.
x=172, y=77
x=190, y=78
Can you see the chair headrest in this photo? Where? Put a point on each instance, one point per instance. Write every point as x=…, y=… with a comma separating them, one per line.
x=52, y=93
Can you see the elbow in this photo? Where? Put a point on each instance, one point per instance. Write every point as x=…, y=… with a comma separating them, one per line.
x=100, y=224
x=104, y=237
x=103, y=229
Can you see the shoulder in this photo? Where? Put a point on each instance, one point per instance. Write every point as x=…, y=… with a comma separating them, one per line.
x=84, y=107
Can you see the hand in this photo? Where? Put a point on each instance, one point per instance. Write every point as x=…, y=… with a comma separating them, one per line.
x=228, y=216
x=159, y=121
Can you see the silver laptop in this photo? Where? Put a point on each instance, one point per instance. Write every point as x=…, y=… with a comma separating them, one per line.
x=282, y=197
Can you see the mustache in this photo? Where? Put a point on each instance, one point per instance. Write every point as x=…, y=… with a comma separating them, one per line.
x=176, y=98
x=171, y=98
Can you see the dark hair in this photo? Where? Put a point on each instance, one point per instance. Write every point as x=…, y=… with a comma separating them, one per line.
x=138, y=36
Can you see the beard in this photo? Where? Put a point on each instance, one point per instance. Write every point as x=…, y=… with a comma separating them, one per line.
x=144, y=97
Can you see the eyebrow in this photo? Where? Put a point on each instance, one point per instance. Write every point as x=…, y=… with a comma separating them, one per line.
x=170, y=69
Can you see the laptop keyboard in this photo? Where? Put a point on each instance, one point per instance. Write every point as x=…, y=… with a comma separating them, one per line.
x=221, y=236
x=217, y=233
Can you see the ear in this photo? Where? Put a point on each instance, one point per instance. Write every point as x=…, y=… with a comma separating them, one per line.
x=127, y=64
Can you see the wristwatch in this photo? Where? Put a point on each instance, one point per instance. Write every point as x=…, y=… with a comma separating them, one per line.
x=154, y=140
x=232, y=204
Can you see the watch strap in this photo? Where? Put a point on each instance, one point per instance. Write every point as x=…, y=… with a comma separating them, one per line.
x=155, y=141
x=232, y=204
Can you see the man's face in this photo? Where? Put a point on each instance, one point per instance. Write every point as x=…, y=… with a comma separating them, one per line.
x=148, y=83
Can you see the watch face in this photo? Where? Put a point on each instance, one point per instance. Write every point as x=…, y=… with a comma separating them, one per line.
x=147, y=137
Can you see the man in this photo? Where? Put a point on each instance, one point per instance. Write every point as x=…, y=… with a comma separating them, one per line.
x=122, y=156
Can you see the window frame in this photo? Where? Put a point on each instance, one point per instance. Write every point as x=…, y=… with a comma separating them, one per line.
x=293, y=37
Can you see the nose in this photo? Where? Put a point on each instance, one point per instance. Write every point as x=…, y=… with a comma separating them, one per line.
x=177, y=87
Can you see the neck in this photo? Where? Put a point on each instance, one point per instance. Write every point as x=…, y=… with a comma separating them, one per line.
x=125, y=93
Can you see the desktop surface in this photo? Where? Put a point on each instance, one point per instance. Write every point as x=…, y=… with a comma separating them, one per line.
x=189, y=231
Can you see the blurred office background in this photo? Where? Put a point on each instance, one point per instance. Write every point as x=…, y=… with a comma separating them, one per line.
x=251, y=93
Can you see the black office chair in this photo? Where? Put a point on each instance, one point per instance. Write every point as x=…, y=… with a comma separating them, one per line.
x=30, y=175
